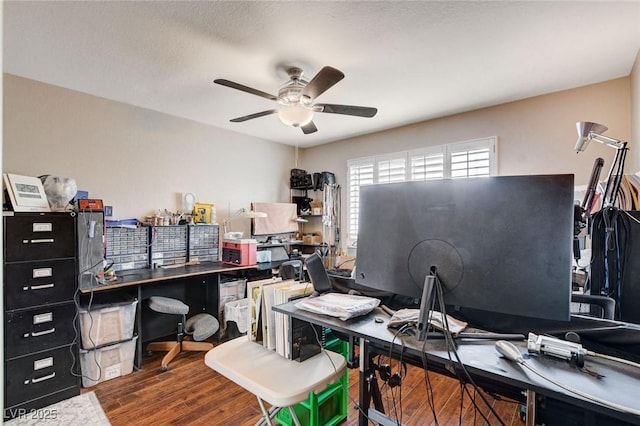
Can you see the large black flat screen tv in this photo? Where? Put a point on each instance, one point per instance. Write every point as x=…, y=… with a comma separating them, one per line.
x=499, y=244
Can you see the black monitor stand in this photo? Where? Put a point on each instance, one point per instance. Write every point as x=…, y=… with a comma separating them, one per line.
x=431, y=297
x=426, y=303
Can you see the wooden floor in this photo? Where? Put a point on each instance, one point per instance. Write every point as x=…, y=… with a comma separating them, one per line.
x=190, y=393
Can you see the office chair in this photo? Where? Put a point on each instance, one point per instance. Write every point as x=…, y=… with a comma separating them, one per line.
x=197, y=328
x=598, y=306
x=291, y=269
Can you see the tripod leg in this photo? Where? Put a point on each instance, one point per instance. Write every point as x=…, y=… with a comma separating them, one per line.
x=376, y=395
x=369, y=389
x=363, y=392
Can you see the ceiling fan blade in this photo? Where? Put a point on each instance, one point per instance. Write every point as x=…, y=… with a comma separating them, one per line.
x=348, y=110
x=322, y=81
x=252, y=116
x=309, y=128
x=244, y=88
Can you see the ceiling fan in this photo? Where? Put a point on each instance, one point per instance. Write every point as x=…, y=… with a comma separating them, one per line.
x=297, y=97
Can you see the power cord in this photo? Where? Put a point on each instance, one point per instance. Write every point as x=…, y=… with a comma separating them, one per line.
x=395, y=379
x=570, y=351
x=76, y=340
x=512, y=353
x=319, y=341
x=76, y=298
x=451, y=348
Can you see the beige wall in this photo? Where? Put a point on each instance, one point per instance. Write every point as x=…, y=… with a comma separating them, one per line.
x=535, y=136
x=137, y=160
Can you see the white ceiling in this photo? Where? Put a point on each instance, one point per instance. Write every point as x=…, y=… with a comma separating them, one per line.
x=414, y=60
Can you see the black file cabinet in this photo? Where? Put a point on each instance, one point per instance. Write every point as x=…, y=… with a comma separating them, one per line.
x=39, y=262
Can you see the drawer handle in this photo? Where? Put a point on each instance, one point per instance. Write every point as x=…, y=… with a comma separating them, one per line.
x=38, y=287
x=41, y=379
x=42, y=240
x=41, y=333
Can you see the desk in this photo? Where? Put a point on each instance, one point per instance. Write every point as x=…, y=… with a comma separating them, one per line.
x=620, y=383
x=196, y=285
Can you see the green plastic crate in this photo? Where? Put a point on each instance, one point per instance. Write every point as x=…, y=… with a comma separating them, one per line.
x=326, y=408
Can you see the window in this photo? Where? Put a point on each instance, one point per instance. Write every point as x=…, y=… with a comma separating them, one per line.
x=392, y=169
x=474, y=158
x=359, y=174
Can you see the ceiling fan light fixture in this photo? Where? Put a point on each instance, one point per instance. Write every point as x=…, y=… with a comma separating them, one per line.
x=290, y=95
x=295, y=115
x=296, y=99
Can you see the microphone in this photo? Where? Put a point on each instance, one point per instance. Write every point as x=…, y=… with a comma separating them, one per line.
x=593, y=181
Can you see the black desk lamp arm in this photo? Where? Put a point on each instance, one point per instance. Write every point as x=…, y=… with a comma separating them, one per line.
x=615, y=176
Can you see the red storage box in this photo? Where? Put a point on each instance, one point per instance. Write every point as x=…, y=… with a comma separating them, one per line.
x=239, y=252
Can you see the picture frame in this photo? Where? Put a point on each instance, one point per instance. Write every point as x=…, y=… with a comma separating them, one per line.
x=26, y=193
x=202, y=213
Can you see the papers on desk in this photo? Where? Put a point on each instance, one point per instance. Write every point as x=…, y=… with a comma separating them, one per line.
x=436, y=320
x=343, y=306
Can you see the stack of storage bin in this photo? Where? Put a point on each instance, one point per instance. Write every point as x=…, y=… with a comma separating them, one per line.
x=127, y=248
x=203, y=243
x=168, y=245
x=107, y=340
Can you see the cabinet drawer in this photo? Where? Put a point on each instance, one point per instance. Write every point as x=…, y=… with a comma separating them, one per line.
x=38, y=283
x=38, y=329
x=33, y=236
x=37, y=375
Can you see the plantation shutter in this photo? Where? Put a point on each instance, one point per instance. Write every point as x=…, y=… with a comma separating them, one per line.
x=457, y=160
x=360, y=173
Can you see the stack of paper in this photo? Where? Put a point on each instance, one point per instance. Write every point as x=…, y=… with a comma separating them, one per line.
x=265, y=324
x=255, y=311
x=283, y=293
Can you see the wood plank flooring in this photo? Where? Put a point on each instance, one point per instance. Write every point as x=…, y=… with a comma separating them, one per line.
x=190, y=393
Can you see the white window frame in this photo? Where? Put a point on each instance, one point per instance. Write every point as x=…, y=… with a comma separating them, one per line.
x=447, y=151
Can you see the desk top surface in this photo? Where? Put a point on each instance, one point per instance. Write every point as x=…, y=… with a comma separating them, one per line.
x=619, y=382
x=148, y=275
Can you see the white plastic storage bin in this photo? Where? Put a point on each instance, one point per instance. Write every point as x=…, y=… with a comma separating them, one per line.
x=238, y=312
x=230, y=291
x=107, y=362
x=107, y=323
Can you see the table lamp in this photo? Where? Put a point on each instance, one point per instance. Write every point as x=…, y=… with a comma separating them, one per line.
x=244, y=213
x=588, y=131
